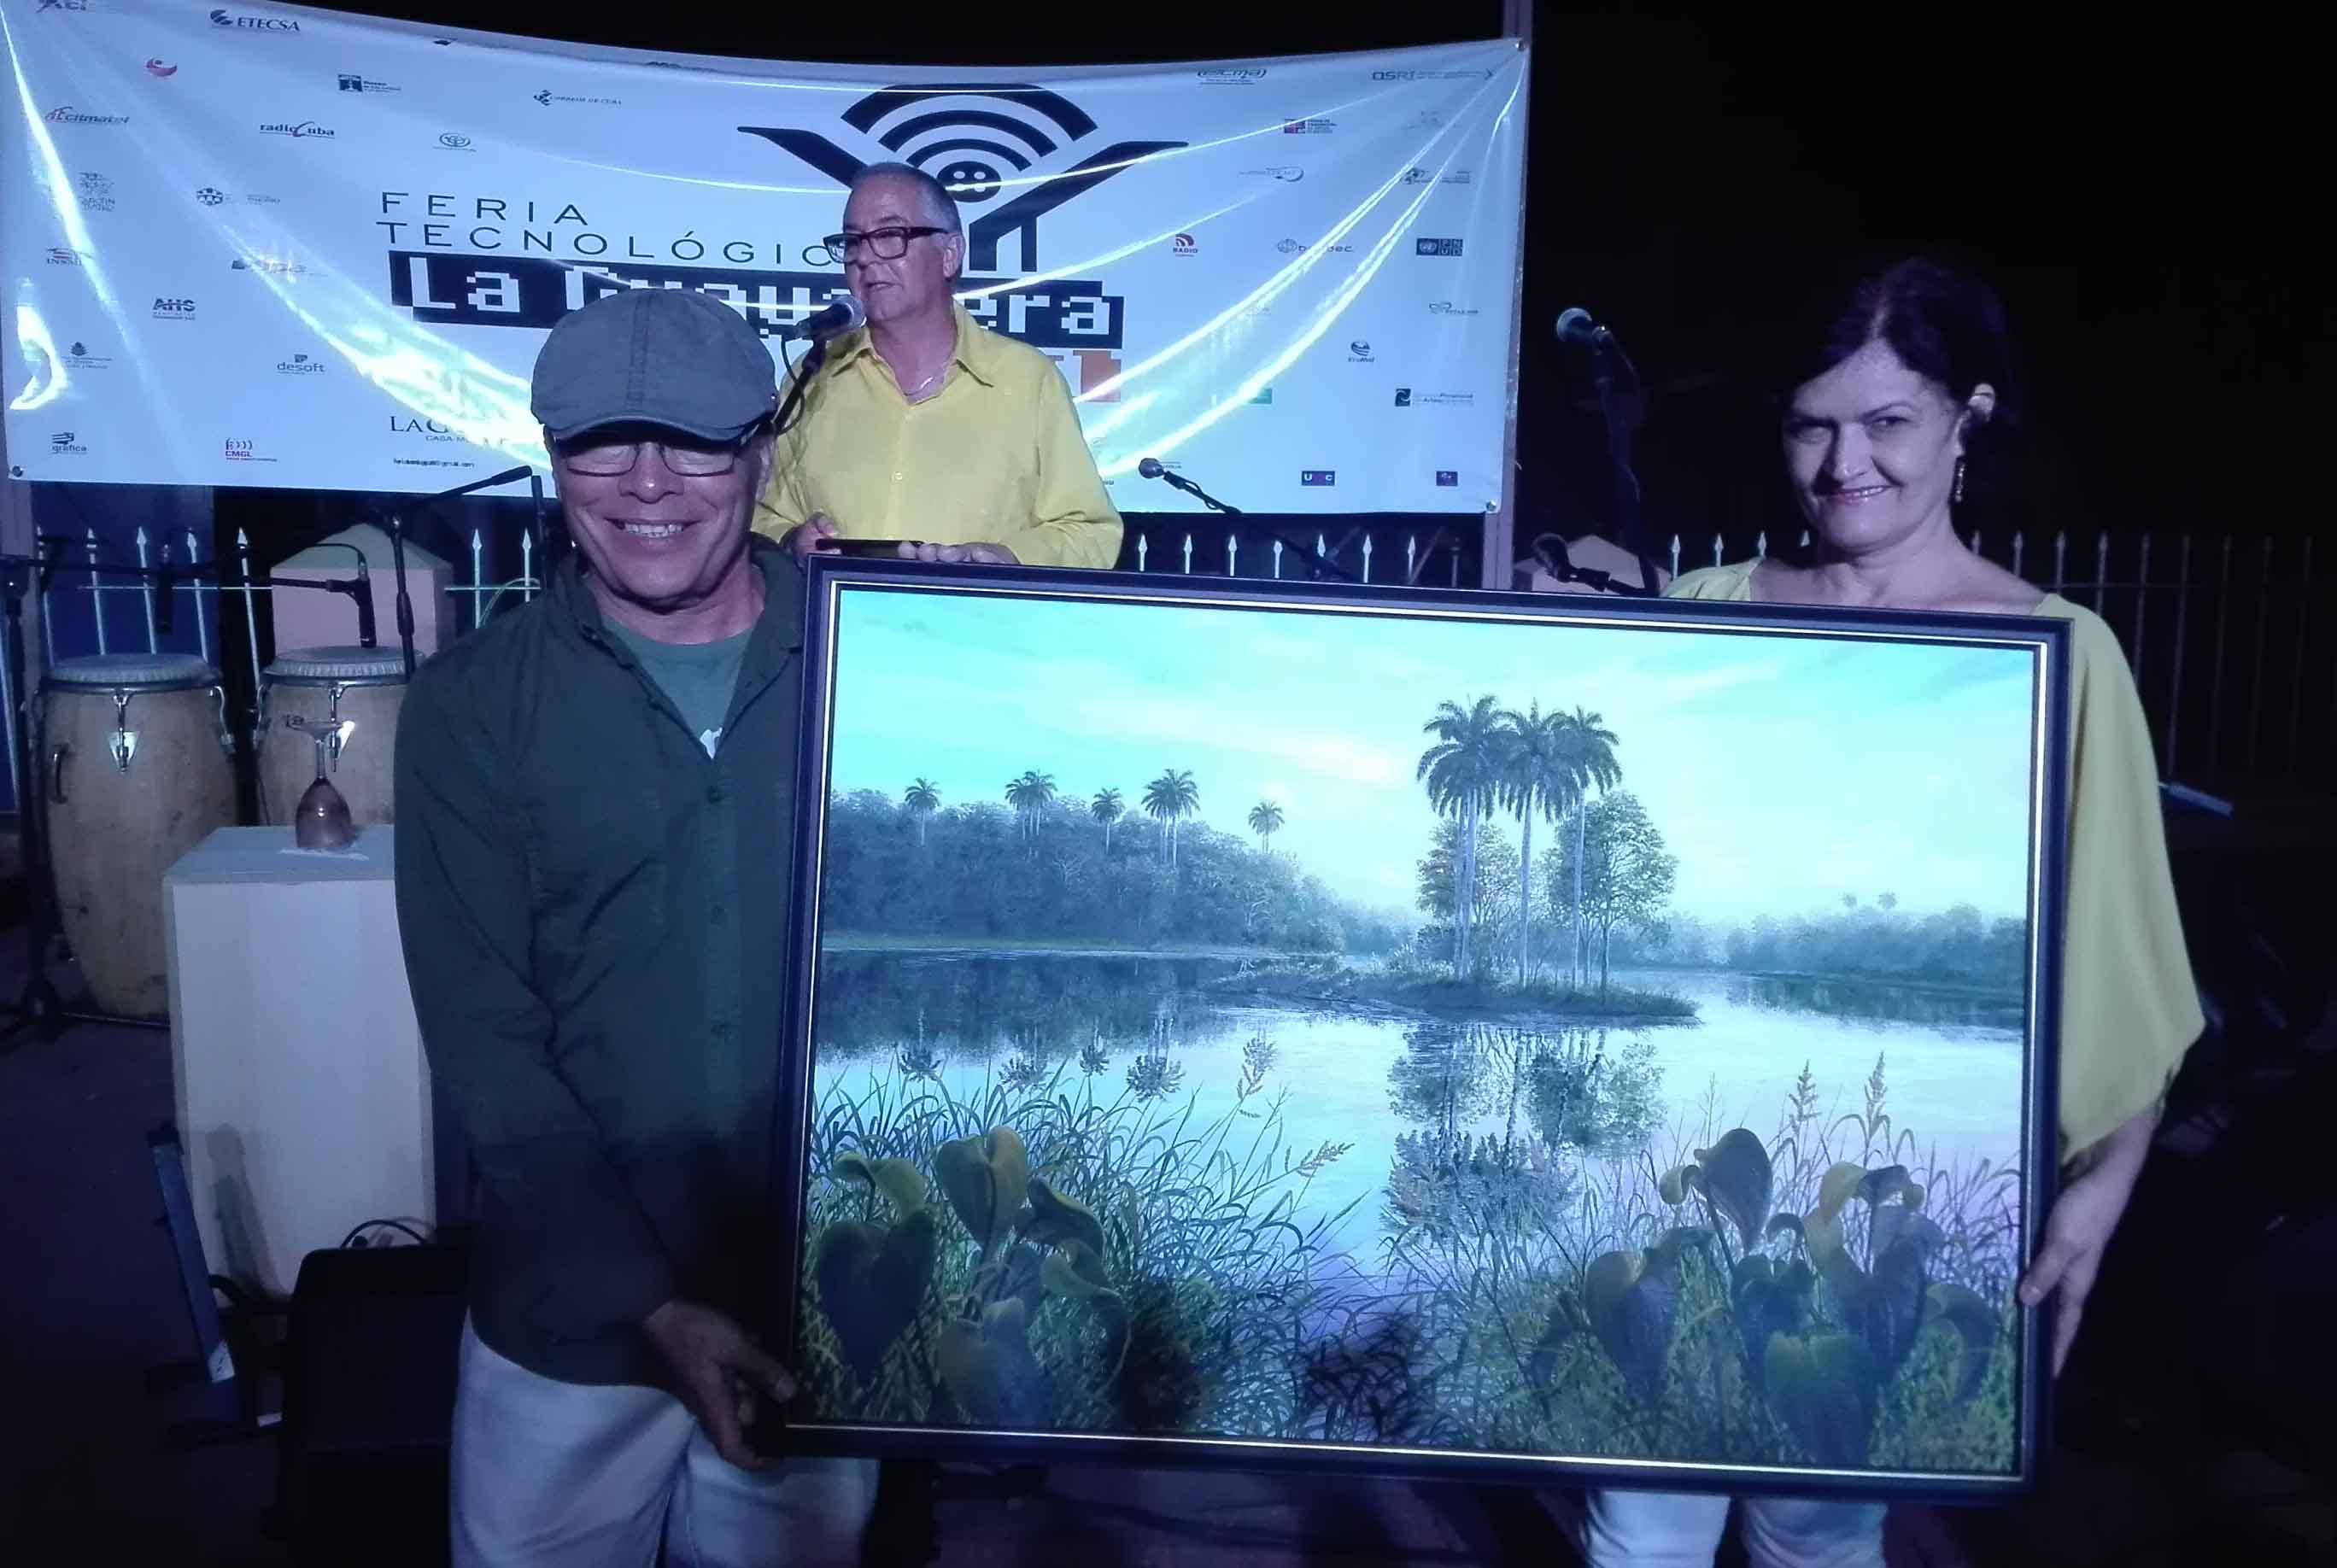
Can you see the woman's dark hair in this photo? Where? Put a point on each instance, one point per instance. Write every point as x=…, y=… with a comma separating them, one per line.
x=1944, y=325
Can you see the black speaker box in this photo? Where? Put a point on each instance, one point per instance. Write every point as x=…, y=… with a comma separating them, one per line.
x=369, y=1362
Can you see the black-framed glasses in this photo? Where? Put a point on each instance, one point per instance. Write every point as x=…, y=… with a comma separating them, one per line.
x=887, y=244
x=607, y=459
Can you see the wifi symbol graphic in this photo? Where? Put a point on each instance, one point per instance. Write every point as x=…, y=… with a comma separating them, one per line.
x=975, y=138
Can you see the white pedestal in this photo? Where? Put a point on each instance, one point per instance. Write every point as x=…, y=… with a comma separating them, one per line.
x=303, y=1093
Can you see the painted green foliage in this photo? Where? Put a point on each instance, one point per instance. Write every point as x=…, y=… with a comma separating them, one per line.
x=1032, y=1241
x=1822, y=1332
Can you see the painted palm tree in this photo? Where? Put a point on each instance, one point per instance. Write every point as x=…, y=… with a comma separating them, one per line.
x=1107, y=809
x=1461, y=770
x=1169, y=799
x=1265, y=821
x=923, y=800
x=1029, y=795
x=1537, y=778
x=1590, y=750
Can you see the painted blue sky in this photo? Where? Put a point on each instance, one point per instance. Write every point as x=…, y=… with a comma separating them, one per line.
x=1783, y=772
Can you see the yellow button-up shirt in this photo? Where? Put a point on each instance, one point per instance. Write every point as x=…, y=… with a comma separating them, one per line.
x=995, y=457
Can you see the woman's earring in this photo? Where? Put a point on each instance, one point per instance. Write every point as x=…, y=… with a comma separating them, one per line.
x=1959, y=479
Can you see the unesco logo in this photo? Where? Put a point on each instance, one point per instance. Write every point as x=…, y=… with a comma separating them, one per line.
x=975, y=139
x=79, y=357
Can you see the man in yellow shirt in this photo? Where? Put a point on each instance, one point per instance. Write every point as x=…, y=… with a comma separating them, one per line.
x=924, y=425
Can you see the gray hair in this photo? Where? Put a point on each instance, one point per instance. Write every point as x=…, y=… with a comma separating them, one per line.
x=941, y=206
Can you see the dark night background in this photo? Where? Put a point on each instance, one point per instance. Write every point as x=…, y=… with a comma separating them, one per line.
x=2139, y=194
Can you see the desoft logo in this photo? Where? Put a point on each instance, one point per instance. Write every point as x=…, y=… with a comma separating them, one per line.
x=66, y=114
x=297, y=128
x=247, y=22
x=1231, y=75
x=166, y=309
x=300, y=365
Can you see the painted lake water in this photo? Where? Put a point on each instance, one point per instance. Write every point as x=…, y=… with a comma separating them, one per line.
x=1185, y=1029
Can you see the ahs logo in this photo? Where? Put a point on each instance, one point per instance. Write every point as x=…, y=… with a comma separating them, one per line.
x=971, y=149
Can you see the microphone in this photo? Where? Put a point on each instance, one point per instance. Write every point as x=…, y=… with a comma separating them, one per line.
x=1575, y=326
x=842, y=316
x=1153, y=468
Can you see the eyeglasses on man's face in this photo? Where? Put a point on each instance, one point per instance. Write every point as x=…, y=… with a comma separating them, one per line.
x=887, y=244
x=607, y=459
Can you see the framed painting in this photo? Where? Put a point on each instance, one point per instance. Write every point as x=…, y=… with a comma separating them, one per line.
x=1598, y=1041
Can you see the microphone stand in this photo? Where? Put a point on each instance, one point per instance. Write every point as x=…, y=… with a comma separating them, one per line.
x=396, y=532
x=1551, y=550
x=1323, y=564
x=1604, y=355
x=37, y=1004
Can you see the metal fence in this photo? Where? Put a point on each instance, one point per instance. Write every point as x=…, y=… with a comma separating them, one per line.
x=2231, y=638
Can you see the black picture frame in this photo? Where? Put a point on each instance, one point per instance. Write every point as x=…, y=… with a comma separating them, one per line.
x=807, y=1428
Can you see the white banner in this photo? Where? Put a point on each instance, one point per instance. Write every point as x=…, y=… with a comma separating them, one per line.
x=260, y=244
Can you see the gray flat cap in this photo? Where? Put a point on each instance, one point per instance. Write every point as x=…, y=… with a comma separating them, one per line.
x=665, y=356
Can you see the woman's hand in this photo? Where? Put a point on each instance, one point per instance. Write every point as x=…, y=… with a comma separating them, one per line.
x=2079, y=1228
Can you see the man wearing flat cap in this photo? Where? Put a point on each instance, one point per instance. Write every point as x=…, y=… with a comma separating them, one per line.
x=595, y=795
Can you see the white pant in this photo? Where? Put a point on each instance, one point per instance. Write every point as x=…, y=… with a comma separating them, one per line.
x=552, y=1475
x=1683, y=1530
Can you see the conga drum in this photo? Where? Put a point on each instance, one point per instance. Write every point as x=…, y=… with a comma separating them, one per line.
x=354, y=691
x=136, y=751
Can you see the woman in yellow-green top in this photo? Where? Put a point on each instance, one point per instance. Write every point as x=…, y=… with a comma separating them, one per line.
x=1894, y=403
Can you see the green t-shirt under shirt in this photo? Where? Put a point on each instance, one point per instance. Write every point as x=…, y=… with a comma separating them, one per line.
x=697, y=677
